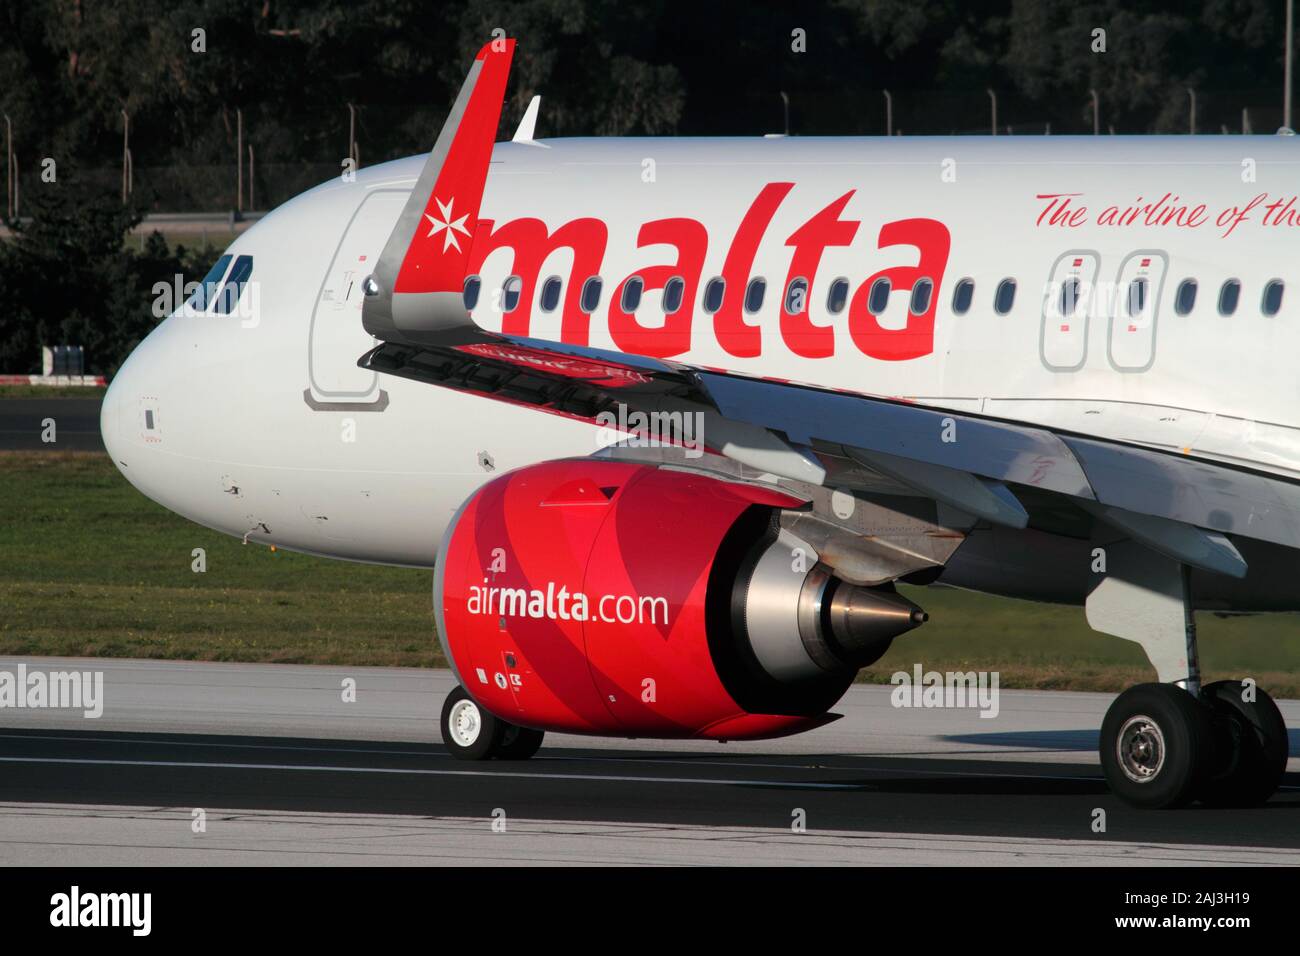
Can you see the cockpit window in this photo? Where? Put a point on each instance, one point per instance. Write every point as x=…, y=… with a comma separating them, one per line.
x=234, y=287
x=204, y=294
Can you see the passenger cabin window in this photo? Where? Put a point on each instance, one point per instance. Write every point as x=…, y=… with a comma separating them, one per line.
x=1070, y=290
x=962, y=296
x=1272, y=301
x=878, y=298
x=674, y=289
x=204, y=294
x=473, y=285
x=1185, y=297
x=838, y=296
x=1137, y=297
x=590, y=297
x=510, y=293
x=632, y=289
x=551, y=293
x=754, y=295
x=713, y=293
x=796, y=297
x=233, y=290
x=921, y=293
x=1228, y=296
x=1005, y=296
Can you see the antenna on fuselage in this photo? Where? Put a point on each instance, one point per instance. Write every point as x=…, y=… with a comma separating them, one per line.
x=528, y=125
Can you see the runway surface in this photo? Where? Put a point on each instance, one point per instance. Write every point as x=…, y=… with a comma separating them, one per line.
x=76, y=424
x=286, y=771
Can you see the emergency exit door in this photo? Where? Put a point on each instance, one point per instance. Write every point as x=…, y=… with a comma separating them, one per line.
x=1135, y=312
x=1068, y=301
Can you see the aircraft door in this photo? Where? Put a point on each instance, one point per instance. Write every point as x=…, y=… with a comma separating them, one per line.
x=337, y=338
x=1135, y=310
x=1067, y=303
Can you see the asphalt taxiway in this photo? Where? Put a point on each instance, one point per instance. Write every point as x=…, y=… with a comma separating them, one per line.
x=76, y=424
x=285, y=770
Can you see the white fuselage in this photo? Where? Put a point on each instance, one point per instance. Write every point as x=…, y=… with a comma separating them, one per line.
x=262, y=424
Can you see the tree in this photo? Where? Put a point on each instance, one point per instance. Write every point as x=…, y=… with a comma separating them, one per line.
x=66, y=277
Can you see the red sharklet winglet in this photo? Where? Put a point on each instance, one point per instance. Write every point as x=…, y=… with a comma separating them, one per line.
x=420, y=275
x=435, y=261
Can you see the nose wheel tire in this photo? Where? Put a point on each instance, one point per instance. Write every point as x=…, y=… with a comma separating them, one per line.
x=472, y=733
x=1257, y=745
x=469, y=731
x=1157, y=744
x=519, y=743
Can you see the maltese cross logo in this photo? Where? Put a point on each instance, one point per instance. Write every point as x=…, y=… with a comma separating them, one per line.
x=446, y=225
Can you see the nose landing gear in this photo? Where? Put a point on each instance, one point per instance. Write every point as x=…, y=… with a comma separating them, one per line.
x=471, y=733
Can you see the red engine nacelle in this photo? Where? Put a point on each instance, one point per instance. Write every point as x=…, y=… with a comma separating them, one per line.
x=609, y=597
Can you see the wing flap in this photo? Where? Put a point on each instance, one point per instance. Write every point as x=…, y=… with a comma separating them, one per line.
x=1190, y=491
x=998, y=450
x=1208, y=550
x=981, y=497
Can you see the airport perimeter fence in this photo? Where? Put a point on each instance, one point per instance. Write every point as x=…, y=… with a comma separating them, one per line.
x=209, y=188
x=158, y=183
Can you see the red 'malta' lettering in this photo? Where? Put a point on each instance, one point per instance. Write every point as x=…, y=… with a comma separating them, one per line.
x=531, y=243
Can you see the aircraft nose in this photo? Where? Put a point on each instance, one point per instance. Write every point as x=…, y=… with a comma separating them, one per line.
x=110, y=415
x=129, y=416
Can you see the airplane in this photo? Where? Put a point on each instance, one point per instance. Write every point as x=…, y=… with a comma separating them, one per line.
x=670, y=418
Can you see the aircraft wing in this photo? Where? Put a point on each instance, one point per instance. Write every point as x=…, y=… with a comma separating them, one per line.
x=1178, y=505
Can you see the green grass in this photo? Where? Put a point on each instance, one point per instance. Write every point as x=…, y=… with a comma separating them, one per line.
x=1051, y=645
x=88, y=566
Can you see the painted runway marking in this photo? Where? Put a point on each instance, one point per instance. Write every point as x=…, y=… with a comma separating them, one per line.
x=431, y=752
x=588, y=758
x=610, y=778
x=142, y=741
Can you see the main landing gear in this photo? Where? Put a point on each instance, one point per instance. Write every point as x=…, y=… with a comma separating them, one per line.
x=1170, y=743
x=471, y=733
x=1162, y=747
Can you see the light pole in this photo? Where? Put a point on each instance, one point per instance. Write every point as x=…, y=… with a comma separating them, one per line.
x=352, y=135
x=252, y=200
x=126, y=155
x=1191, y=124
x=239, y=160
x=1096, y=112
x=889, y=113
x=1286, y=90
x=9, y=166
x=993, y=99
x=785, y=108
